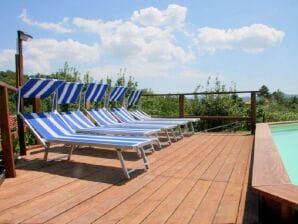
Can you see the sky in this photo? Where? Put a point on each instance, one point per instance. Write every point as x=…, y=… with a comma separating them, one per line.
x=168, y=46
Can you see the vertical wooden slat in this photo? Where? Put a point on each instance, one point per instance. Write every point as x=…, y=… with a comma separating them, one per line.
x=6, y=134
x=253, y=108
x=181, y=105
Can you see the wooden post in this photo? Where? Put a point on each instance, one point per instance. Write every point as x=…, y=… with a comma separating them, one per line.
x=181, y=105
x=19, y=82
x=6, y=134
x=36, y=103
x=253, y=112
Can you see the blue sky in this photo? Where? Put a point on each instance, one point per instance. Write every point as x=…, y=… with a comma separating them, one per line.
x=168, y=46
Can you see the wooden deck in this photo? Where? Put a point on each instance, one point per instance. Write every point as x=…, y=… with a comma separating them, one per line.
x=200, y=179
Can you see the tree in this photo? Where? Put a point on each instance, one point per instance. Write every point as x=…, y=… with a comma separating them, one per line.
x=279, y=97
x=264, y=92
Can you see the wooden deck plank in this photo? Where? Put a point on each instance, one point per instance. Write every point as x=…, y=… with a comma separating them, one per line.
x=228, y=208
x=164, y=210
x=217, y=164
x=140, y=213
x=208, y=207
x=226, y=170
x=74, y=192
x=187, y=208
x=179, y=170
x=121, y=210
x=51, y=181
x=115, y=195
x=190, y=181
x=247, y=203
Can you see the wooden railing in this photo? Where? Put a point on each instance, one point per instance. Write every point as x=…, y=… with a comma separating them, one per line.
x=251, y=119
x=5, y=130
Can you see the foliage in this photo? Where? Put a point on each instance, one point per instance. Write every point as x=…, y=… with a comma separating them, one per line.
x=264, y=92
x=277, y=106
x=203, y=105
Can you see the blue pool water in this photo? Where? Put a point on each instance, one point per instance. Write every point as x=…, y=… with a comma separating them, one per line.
x=286, y=140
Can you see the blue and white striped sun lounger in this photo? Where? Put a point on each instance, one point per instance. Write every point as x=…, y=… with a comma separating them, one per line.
x=49, y=128
x=80, y=123
x=124, y=116
x=134, y=99
x=104, y=118
x=138, y=114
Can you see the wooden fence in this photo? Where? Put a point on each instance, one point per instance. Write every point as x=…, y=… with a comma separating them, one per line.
x=251, y=118
x=6, y=138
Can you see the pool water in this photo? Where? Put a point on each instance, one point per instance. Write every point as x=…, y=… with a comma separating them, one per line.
x=286, y=140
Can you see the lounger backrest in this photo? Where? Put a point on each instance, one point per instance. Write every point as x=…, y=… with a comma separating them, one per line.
x=123, y=115
x=69, y=92
x=143, y=113
x=137, y=115
x=117, y=94
x=39, y=88
x=76, y=120
x=102, y=116
x=95, y=92
x=134, y=98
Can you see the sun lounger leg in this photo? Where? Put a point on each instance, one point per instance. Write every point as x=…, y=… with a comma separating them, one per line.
x=169, y=138
x=158, y=142
x=138, y=152
x=152, y=147
x=70, y=151
x=181, y=132
x=174, y=135
x=120, y=156
x=46, y=153
x=192, y=128
x=144, y=157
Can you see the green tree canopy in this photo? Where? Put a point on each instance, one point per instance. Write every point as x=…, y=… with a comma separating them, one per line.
x=264, y=92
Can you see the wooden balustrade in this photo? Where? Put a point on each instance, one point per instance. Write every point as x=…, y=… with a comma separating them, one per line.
x=5, y=130
x=251, y=118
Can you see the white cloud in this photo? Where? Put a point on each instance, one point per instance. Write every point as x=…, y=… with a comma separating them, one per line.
x=60, y=27
x=172, y=17
x=148, y=43
x=42, y=53
x=254, y=38
x=127, y=41
x=7, y=59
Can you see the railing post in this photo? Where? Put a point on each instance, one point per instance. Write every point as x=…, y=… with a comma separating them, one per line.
x=181, y=105
x=253, y=112
x=6, y=134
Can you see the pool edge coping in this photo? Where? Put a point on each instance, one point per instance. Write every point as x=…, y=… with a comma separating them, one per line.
x=269, y=176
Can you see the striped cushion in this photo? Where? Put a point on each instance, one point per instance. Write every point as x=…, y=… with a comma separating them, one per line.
x=117, y=94
x=69, y=92
x=134, y=98
x=95, y=92
x=39, y=88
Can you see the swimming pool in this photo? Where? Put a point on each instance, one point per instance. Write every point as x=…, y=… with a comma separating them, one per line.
x=285, y=137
